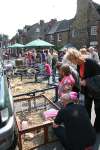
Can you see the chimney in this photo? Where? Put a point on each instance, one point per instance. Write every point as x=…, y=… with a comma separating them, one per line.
x=41, y=22
x=82, y=5
x=53, y=21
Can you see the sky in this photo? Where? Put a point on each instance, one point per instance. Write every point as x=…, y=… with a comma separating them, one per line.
x=15, y=14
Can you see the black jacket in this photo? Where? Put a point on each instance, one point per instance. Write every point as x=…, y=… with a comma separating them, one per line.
x=91, y=68
x=79, y=130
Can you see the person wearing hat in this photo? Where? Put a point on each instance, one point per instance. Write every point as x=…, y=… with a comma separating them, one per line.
x=72, y=125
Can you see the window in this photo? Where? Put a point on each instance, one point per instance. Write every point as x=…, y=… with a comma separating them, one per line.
x=75, y=33
x=51, y=38
x=93, y=30
x=93, y=43
x=59, y=36
x=25, y=30
x=37, y=30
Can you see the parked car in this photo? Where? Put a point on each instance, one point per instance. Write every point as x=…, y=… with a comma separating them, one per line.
x=7, y=119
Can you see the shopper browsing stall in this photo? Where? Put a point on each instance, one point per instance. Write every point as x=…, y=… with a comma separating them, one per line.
x=76, y=133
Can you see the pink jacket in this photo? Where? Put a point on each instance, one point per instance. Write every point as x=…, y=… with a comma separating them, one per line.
x=48, y=69
x=67, y=80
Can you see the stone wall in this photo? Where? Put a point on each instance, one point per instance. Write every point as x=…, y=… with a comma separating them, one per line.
x=65, y=39
x=86, y=16
x=98, y=35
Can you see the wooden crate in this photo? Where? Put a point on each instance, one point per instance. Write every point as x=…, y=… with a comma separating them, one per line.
x=31, y=110
x=18, y=62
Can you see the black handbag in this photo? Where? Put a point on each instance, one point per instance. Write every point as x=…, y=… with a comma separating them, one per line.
x=93, y=85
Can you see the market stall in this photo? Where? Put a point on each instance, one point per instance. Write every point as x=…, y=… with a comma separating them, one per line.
x=34, y=128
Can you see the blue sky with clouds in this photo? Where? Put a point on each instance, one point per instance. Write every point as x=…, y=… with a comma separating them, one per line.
x=15, y=14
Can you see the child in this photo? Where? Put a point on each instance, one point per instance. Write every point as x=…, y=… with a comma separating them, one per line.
x=48, y=71
x=67, y=81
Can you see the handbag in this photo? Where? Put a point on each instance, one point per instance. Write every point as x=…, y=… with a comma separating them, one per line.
x=93, y=85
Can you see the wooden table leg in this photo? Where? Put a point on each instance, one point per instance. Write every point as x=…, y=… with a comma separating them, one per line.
x=45, y=134
x=19, y=142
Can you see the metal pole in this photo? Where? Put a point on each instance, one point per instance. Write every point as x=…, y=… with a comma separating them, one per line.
x=56, y=93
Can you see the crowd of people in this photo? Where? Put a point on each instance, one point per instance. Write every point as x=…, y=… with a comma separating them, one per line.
x=45, y=61
x=79, y=73
x=77, y=70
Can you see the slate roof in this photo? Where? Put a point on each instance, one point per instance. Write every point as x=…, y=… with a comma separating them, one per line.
x=64, y=25
x=54, y=28
x=43, y=30
x=60, y=26
x=97, y=6
x=33, y=28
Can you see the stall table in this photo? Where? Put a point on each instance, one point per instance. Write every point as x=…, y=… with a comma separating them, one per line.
x=33, y=130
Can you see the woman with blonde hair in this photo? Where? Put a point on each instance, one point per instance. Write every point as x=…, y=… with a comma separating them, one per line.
x=87, y=68
x=75, y=56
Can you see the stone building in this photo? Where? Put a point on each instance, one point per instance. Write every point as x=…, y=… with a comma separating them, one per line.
x=21, y=36
x=40, y=30
x=59, y=33
x=83, y=28
x=98, y=35
x=79, y=31
x=30, y=33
